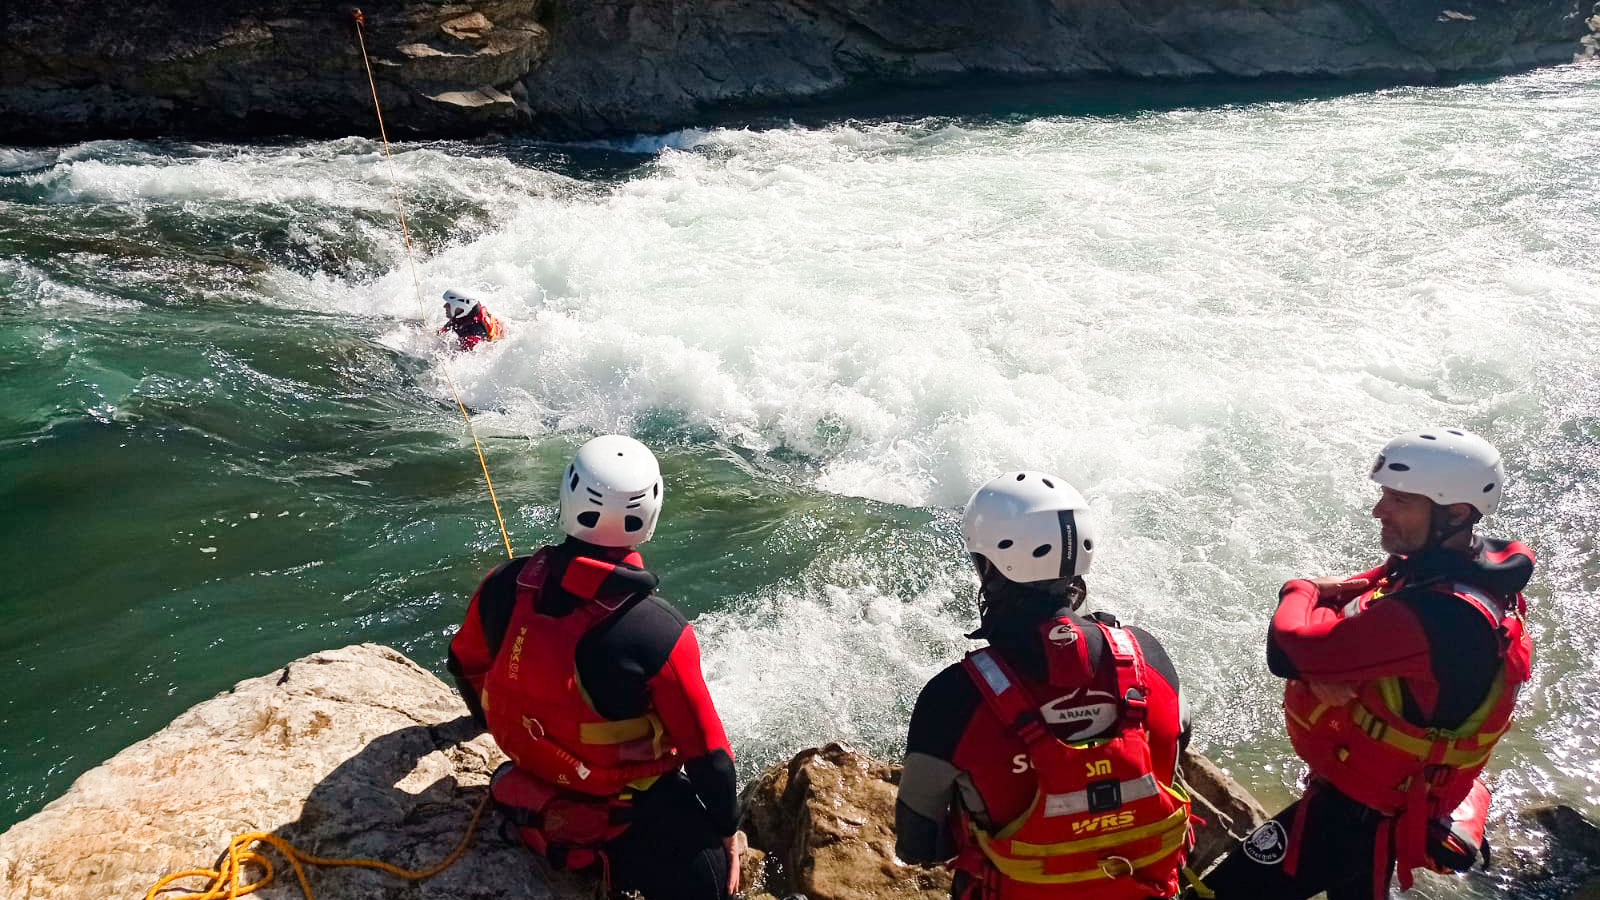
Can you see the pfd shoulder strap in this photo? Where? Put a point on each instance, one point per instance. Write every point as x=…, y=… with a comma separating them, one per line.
x=1005, y=696
x=1133, y=686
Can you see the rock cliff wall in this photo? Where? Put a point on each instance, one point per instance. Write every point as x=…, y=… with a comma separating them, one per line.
x=240, y=68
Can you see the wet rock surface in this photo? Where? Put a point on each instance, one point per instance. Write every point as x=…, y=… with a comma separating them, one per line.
x=566, y=68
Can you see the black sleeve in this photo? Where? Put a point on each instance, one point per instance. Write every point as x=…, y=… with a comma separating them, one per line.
x=716, y=783
x=927, y=789
x=464, y=688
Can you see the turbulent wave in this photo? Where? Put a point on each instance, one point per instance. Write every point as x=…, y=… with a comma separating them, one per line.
x=1206, y=318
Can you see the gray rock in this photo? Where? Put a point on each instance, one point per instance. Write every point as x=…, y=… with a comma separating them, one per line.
x=352, y=752
x=566, y=68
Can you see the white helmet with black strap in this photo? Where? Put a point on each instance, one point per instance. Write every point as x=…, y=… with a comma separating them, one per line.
x=1031, y=527
x=611, y=492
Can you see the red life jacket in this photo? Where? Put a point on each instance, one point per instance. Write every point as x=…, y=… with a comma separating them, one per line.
x=1103, y=825
x=574, y=768
x=1369, y=751
x=493, y=329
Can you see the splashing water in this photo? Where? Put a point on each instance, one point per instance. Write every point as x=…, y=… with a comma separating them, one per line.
x=217, y=397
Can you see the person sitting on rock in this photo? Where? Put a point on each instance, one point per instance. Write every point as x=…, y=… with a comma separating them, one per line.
x=469, y=321
x=1401, y=680
x=591, y=684
x=1042, y=765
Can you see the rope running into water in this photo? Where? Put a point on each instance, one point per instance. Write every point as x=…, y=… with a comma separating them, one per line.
x=224, y=880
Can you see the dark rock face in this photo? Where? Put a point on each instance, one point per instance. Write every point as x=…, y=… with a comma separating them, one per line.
x=93, y=68
x=650, y=65
x=236, y=68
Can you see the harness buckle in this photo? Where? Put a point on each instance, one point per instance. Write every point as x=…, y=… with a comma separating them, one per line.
x=1103, y=795
x=1135, y=701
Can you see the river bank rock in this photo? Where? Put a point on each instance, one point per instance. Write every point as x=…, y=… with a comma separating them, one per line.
x=577, y=68
x=823, y=825
x=352, y=752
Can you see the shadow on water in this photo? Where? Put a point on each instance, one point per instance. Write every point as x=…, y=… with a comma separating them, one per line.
x=999, y=101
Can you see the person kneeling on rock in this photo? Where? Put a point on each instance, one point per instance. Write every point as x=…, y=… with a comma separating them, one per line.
x=591, y=684
x=1042, y=766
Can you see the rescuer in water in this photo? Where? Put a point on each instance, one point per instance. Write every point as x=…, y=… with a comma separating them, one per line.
x=1401, y=679
x=469, y=321
x=591, y=684
x=1042, y=765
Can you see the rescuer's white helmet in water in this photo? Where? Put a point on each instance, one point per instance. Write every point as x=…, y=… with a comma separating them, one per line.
x=457, y=304
x=611, y=493
x=1030, y=527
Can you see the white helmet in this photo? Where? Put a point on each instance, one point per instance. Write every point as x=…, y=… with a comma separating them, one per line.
x=1446, y=465
x=611, y=493
x=457, y=304
x=1031, y=527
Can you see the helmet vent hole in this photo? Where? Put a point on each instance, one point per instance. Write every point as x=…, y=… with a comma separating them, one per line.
x=596, y=502
x=1021, y=475
x=1488, y=487
x=589, y=519
x=1041, y=550
x=632, y=523
x=1048, y=484
x=574, y=484
x=1457, y=433
x=1088, y=545
x=1399, y=467
x=619, y=452
x=1429, y=437
x=655, y=489
x=1004, y=545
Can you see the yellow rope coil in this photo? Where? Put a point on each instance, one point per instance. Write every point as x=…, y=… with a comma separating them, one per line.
x=226, y=880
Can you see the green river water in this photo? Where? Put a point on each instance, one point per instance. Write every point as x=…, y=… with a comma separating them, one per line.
x=226, y=439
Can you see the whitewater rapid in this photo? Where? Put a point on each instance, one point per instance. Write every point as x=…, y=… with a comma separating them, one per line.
x=1207, y=319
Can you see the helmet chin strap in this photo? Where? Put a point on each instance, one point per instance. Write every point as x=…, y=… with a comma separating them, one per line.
x=1000, y=596
x=1441, y=529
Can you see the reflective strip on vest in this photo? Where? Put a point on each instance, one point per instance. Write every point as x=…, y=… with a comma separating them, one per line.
x=617, y=731
x=998, y=682
x=1121, y=643
x=1173, y=831
x=1078, y=801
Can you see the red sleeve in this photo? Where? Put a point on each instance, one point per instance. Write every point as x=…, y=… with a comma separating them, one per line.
x=1324, y=645
x=679, y=694
x=469, y=650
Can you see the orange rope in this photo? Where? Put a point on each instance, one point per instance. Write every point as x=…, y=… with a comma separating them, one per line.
x=405, y=231
x=225, y=881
